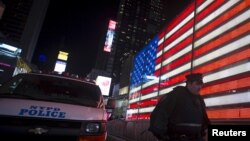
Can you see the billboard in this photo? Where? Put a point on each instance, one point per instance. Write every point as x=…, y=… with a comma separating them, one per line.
x=215, y=41
x=63, y=55
x=109, y=36
x=60, y=66
x=9, y=50
x=104, y=83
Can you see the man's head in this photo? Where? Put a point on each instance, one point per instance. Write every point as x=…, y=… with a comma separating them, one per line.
x=194, y=82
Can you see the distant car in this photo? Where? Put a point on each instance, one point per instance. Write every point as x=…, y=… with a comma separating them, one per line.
x=51, y=106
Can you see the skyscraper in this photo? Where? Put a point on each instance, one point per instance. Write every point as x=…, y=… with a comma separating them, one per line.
x=21, y=23
x=138, y=22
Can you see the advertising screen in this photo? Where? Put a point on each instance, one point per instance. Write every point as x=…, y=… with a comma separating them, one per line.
x=109, y=36
x=63, y=55
x=104, y=84
x=60, y=66
x=9, y=50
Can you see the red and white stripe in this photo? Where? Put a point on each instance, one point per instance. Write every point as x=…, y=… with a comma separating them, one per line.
x=221, y=51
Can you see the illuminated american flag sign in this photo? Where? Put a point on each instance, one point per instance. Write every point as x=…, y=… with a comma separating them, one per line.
x=211, y=37
x=144, y=63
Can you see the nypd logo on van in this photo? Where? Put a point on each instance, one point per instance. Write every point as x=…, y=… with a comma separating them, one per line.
x=44, y=109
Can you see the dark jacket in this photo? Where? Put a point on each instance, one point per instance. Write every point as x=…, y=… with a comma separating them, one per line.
x=185, y=112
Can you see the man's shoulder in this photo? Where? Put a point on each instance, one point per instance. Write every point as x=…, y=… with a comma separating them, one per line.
x=180, y=92
x=179, y=89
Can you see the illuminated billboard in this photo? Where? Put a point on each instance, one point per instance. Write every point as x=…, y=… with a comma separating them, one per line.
x=9, y=50
x=214, y=41
x=104, y=84
x=109, y=36
x=63, y=55
x=60, y=66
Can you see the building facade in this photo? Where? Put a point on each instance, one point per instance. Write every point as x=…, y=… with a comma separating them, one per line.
x=21, y=23
x=210, y=37
x=138, y=21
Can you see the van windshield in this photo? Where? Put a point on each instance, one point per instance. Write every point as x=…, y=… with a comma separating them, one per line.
x=52, y=88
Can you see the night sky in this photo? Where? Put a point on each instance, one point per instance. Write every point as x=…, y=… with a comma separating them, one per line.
x=77, y=27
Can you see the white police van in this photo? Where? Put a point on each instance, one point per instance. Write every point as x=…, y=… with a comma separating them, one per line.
x=51, y=107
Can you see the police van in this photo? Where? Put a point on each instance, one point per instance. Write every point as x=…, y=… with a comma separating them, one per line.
x=50, y=106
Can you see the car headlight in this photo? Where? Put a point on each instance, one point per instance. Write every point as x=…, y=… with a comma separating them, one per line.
x=92, y=128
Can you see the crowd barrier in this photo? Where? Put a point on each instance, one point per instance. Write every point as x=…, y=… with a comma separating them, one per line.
x=121, y=130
